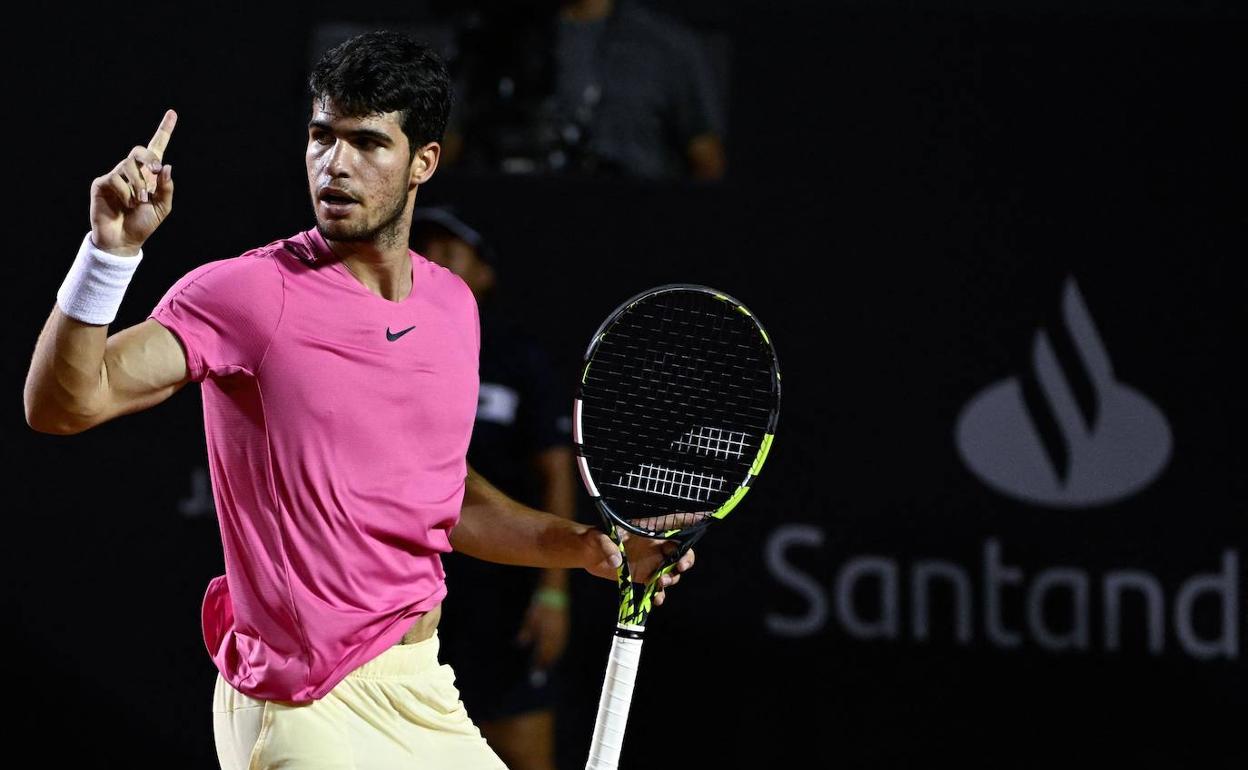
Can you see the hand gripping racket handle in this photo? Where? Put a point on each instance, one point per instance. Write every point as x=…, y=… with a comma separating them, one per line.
x=617, y=696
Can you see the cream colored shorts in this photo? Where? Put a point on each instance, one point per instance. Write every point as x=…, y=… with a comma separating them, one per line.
x=398, y=710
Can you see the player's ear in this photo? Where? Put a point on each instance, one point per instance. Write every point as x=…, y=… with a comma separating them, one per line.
x=425, y=162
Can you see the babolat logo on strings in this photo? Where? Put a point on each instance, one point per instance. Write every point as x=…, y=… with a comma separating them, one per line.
x=718, y=443
x=1067, y=433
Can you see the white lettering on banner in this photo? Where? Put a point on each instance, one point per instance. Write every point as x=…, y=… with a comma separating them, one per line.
x=199, y=502
x=1057, y=602
x=882, y=571
x=921, y=576
x=497, y=403
x=1150, y=587
x=791, y=577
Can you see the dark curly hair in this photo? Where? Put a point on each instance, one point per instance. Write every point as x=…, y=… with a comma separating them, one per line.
x=383, y=71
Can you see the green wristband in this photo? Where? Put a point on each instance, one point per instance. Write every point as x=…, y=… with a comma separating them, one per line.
x=552, y=597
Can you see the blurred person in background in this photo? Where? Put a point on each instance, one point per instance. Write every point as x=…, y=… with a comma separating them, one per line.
x=508, y=627
x=604, y=87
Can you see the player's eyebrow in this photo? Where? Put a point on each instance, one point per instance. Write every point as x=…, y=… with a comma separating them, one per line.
x=377, y=136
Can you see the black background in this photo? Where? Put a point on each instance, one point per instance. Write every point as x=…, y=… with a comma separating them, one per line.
x=909, y=186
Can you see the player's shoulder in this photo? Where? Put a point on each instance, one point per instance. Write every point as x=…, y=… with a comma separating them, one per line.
x=306, y=248
x=253, y=271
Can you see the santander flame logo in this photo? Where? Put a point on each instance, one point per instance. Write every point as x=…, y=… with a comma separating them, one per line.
x=1069, y=436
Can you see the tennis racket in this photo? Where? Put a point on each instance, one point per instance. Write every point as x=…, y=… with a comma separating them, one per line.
x=674, y=415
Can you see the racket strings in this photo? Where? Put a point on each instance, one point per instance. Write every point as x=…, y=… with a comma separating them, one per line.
x=716, y=442
x=670, y=482
x=657, y=383
x=676, y=400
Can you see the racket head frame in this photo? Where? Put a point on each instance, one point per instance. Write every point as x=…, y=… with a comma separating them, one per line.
x=634, y=609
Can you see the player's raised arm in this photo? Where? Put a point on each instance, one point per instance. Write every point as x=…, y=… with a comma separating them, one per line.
x=79, y=376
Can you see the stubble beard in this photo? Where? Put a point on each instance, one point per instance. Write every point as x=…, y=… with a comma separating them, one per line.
x=386, y=233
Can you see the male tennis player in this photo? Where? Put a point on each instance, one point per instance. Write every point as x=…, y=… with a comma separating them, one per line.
x=339, y=378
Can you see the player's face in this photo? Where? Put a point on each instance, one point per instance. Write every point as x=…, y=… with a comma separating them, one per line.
x=367, y=160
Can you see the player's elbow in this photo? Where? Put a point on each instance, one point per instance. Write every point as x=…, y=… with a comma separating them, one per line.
x=42, y=424
x=55, y=427
x=44, y=417
x=44, y=403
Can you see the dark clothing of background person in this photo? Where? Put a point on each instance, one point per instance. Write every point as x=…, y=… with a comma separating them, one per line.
x=628, y=94
x=522, y=410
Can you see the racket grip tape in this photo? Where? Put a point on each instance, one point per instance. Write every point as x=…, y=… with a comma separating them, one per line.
x=617, y=696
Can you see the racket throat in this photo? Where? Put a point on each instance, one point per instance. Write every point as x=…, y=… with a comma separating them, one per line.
x=635, y=606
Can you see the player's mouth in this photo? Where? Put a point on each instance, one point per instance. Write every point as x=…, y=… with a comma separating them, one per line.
x=336, y=202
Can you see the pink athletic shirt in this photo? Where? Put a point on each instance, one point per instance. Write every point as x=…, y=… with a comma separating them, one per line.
x=337, y=424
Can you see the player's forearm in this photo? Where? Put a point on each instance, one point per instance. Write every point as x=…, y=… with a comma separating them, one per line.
x=493, y=527
x=554, y=466
x=65, y=376
x=67, y=383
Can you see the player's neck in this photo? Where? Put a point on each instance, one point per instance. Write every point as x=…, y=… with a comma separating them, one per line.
x=383, y=269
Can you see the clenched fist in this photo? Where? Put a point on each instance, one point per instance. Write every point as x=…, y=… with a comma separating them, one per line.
x=129, y=202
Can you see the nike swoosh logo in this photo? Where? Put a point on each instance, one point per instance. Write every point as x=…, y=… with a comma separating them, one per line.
x=395, y=335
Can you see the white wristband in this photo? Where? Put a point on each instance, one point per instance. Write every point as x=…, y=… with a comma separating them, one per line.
x=92, y=290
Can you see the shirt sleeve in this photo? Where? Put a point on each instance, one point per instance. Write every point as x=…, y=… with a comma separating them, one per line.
x=225, y=314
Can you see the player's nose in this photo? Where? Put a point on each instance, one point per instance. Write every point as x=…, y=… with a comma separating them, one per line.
x=340, y=160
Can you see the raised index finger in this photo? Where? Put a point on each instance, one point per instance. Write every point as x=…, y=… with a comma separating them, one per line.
x=160, y=139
